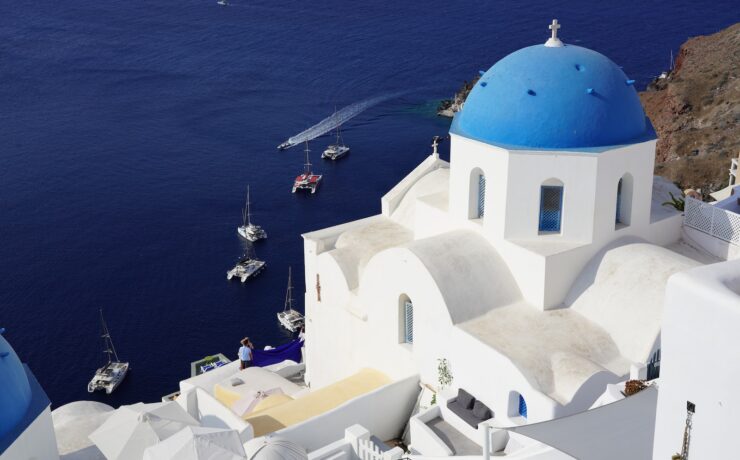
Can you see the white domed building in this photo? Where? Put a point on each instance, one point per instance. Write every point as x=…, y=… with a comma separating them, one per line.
x=534, y=262
x=26, y=428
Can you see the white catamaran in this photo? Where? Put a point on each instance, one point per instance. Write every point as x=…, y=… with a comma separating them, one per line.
x=308, y=180
x=247, y=267
x=290, y=319
x=113, y=372
x=249, y=230
x=338, y=150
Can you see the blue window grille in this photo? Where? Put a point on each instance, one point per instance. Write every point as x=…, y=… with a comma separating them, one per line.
x=619, y=202
x=522, y=406
x=551, y=208
x=408, y=324
x=481, y=195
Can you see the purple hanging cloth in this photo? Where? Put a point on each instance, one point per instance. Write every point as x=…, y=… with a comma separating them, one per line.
x=291, y=350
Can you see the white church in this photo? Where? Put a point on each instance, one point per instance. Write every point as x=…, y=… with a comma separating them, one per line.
x=535, y=261
x=496, y=307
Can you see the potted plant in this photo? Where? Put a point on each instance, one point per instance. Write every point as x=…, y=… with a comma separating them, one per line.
x=444, y=377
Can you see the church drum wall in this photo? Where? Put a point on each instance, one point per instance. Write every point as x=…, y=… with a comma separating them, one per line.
x=528, y=171
x=467, y=155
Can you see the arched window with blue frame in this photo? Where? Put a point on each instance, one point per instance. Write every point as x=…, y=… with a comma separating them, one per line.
x=551, y=206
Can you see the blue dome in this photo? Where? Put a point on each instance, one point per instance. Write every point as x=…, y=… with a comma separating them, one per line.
x=565, y=97
x=15, y=390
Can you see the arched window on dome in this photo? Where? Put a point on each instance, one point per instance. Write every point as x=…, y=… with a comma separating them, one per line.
x=624, y=201
x=551, y=206
x=405, y=320
x=477, y=207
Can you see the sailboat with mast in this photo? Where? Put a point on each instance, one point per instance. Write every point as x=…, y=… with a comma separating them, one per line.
x=249, y=230
x=114, y=371
x=289, y=318
x=308, y=180
x=337, y=150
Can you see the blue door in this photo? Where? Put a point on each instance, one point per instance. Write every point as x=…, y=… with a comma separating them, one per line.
x=551, y=208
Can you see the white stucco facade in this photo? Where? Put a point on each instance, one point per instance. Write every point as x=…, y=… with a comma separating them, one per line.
x=553, y=317
x=700, y=341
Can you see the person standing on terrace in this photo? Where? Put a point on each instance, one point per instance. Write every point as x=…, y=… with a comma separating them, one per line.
x=245, y=353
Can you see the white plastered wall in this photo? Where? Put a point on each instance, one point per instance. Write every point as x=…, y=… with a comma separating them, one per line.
x=528, y=171
x=369, y=333
x=637, y=161
x=699, y=362
x=466, y=156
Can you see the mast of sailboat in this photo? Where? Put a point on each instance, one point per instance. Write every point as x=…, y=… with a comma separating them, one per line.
x=249, y=215
x=671, y=68
x=307, y=166
x=109, y=348
x=339, y=127
x=289, y=293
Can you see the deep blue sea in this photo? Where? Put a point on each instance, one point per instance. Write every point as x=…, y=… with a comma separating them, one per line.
x=130, y=130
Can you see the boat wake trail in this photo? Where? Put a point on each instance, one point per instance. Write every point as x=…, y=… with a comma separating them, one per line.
x=339, y=117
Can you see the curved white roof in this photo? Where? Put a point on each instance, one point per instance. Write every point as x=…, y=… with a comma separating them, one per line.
x=73, y=423
x=274, y=448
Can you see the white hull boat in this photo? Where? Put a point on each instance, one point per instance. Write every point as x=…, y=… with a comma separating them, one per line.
x=338, y=150
x=248, y=230
x=289, y=318
x=335, y=152
x=308, y=180
x=110, y=376
x=252, y=232
x=246, y=268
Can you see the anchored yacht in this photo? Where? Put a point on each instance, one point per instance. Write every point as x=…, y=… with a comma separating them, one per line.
x=247, y=267
x=113, y=372
x=249, y=230
x=337, y=150
x=290, y=319
x=308, y=180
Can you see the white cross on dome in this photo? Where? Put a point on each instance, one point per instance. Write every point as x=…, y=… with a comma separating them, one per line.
x=554, y=41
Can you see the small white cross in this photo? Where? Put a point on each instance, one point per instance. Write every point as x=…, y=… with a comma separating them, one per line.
x=554, y=27
x=554, y=41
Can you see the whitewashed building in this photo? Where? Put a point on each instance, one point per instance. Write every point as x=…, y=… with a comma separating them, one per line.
x=535, y=261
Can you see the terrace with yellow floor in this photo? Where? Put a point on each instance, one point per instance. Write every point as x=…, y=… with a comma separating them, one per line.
x=279, y=411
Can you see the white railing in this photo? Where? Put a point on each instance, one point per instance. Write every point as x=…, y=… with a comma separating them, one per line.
x=711, y=220
x=357, y=444
x=368, y=450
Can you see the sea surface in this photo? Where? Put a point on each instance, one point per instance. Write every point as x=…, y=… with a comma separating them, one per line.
x=130, y=130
